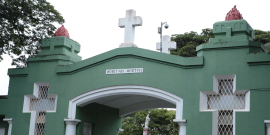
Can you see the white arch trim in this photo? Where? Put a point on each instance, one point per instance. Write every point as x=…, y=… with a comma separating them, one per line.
x=80, y=100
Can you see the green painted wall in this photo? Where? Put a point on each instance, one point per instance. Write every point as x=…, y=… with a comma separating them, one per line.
x=184, y=77
x=100, y=118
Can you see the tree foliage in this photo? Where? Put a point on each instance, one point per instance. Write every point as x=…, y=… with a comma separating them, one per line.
x=187, y=42
x=263, y=37
x=23, y=25
x=161, y=123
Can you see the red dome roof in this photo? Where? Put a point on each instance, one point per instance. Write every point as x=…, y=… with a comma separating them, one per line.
x=234, y=14
x=62, y=31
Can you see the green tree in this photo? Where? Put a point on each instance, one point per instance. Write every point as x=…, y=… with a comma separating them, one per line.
x=187, y=42
x=263, y=37
x=23, y=25
x=161, y=123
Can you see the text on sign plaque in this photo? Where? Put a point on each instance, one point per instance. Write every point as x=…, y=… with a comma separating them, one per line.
x=124, y=71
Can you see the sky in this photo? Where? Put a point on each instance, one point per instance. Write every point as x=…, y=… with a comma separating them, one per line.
x=94, y=24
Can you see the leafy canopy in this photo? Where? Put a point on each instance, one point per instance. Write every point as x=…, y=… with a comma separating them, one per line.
x=161, y=123
x=23, y=25
x=263, y=37
x=187, y=42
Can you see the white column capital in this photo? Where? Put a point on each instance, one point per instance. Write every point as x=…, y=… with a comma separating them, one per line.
x=71, y=126
x=9, y=120
x=72, y=121
x=182, y=126
x=267, y=121
x=180, y=122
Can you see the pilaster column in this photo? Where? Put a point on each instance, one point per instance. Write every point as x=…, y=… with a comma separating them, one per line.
x=267, y=125
x=71, y=126
x=9, y=120
x=182, y=126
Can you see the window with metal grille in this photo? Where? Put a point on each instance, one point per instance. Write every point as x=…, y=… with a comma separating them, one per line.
x=225, y=102
x=41, y=104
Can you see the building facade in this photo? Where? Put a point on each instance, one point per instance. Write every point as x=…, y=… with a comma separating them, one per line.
x=225, y=90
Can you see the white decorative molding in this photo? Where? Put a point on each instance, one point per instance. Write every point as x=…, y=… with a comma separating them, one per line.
x=85, y=98
x=80, y=100
x=71, y=126
x=267, y=126
x=9, y=120
x=182, y=126
x=127, y=45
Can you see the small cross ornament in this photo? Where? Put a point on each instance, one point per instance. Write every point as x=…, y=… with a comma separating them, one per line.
x=167, y=46
x=129, y=24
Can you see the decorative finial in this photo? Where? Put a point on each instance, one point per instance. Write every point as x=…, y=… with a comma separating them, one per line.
x=233, y=14
x=62, y=31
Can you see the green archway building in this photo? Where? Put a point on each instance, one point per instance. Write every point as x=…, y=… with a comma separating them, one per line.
x=224, y=90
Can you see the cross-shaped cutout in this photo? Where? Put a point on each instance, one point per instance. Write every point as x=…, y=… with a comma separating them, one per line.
x=38, y=104
x=167, y=45
x=129, y=24
x=224, y=101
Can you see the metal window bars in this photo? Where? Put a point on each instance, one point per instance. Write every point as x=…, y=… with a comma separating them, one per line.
x=225, y=102
x=41, y=105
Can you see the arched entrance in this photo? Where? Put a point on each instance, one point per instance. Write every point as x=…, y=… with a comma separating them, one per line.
x=128, y=99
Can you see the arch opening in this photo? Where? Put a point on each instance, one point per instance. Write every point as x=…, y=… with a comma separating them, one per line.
x=128, y=99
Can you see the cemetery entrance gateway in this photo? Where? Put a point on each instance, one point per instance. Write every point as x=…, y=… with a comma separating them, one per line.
x=136, y=98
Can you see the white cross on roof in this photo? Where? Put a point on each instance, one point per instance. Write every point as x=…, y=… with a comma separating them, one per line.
x=129, y=24
x=167, y=46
